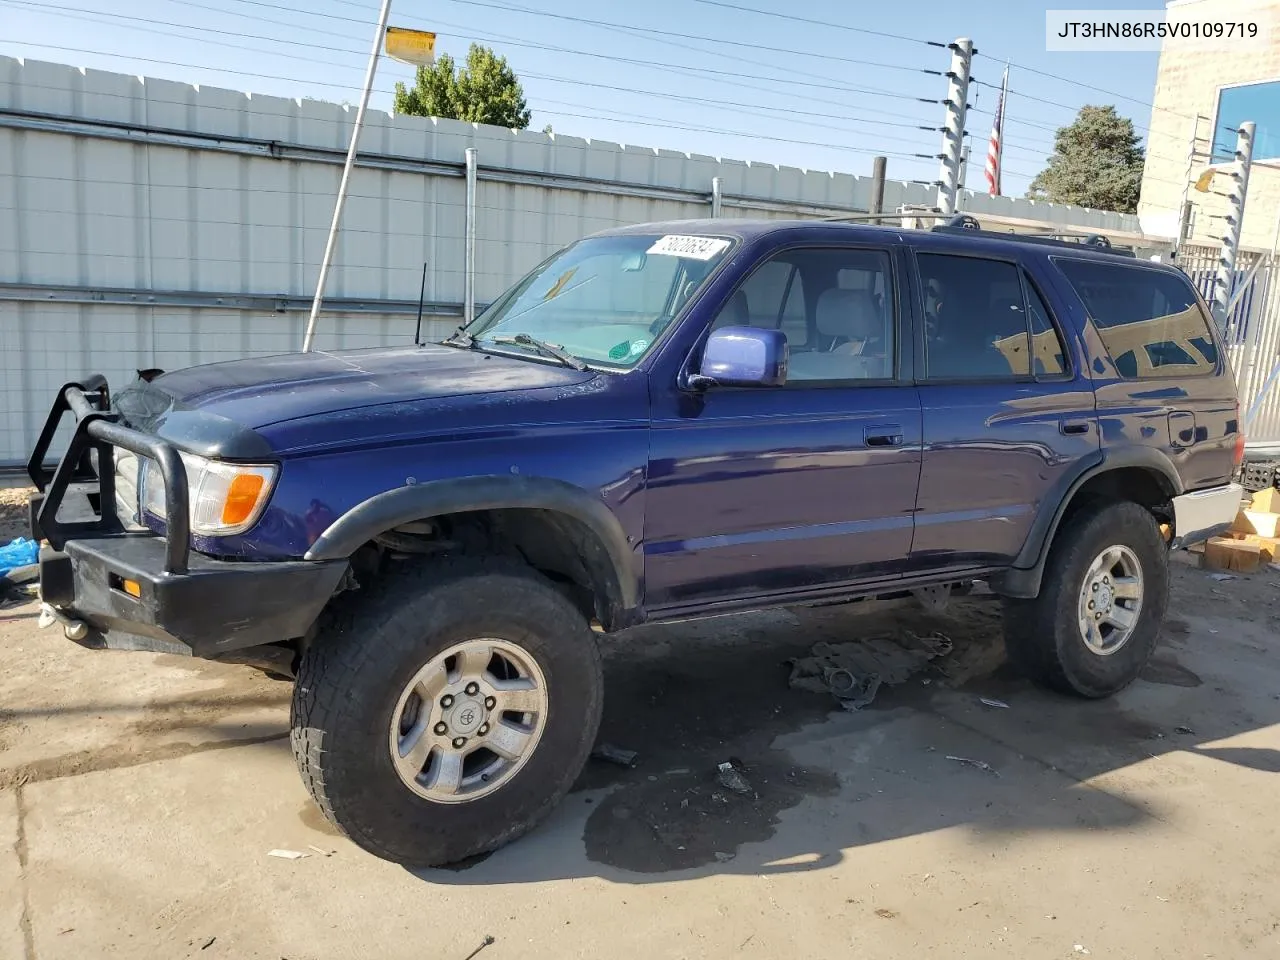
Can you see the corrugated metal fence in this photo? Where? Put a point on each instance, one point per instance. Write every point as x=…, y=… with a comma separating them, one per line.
x=146, y=223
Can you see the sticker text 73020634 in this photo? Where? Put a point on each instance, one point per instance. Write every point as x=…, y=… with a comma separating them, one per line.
x=694, y=248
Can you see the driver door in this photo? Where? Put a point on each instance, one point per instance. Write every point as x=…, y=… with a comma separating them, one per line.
x=756, y=493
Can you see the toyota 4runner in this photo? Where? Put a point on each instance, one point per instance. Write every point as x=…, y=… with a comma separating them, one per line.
x=658, y=422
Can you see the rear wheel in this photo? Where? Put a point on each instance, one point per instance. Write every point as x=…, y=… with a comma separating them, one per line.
x=447, y=713
x=1102, y=600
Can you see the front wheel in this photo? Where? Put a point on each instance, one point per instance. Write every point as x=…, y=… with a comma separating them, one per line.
x=448, y=712
x=1102, y=600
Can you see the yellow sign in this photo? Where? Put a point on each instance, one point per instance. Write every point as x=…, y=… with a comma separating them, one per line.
x=411, y=46
x=1206, y=178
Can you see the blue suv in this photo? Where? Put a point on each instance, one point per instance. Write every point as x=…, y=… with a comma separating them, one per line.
x=664, y=421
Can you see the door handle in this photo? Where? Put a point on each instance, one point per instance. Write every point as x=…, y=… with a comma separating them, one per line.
x=1073, y=427
x=885, y=436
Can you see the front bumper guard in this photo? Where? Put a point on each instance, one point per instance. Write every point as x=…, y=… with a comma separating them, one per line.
x=139, y=591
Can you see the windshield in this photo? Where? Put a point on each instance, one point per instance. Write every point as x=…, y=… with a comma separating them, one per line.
x=604, y=300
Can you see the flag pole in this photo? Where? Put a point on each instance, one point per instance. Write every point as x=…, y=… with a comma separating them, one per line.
x=346, y=175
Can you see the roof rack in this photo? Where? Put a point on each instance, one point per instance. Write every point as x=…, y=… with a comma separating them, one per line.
x=964, y=223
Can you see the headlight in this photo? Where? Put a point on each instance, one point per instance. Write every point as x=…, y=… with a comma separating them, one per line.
x=225, y=498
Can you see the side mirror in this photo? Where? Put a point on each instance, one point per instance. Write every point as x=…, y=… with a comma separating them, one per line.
x=743, y=357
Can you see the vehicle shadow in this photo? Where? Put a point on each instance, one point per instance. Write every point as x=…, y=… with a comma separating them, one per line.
x=926, y=755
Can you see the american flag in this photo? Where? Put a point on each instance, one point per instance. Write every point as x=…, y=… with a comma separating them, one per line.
x=994, y=147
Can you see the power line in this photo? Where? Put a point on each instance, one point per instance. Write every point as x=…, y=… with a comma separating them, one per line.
x=356, y=53
x=711, y=73
x=818, y=23
x=720, y=41
x=1087, y=86
x=1054, y=103
x=1147, y=152
x=663, y=124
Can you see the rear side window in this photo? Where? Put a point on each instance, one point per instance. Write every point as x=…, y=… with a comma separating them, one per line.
x=1148, y=320
x=975, y=319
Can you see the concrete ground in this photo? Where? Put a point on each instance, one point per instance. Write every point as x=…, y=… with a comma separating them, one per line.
x=140, y=795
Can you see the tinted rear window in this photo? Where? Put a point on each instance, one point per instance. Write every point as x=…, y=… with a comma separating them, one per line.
x=1148, y=320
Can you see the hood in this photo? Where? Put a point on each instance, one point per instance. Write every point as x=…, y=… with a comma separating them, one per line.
x=241, y=396
x=266, y=390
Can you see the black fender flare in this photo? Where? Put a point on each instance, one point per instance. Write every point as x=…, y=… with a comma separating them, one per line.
x=1023, y=578
x=435, y=498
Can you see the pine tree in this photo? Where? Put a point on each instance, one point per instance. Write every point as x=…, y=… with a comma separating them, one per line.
x=1096, y=162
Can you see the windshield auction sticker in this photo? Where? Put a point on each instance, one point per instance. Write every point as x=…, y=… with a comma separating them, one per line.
x=693, y=248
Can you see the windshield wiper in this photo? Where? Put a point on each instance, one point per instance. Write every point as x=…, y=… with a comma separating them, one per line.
x=460, y=338
x=548, y=349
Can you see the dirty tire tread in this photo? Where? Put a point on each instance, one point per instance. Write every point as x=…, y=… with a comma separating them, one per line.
x=357, y=629
x=1042, y=637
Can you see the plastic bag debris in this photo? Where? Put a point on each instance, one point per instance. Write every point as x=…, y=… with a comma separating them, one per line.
x=18, y=553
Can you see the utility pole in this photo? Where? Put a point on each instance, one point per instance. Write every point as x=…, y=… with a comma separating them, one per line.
x=346, y=175
x=957, y=104
x=876, y=204
x=1235, y=218
x=964, y=170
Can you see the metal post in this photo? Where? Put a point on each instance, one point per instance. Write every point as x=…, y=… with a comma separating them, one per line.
x=717, y=196
x=957, y=104
x=1235, y=218
x=876, y=205
x=964, y=171
x=346, y=175
x=469, y=267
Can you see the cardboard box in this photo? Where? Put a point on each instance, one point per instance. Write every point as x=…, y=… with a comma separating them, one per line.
x=1238, y=556
x=1257, y=522
x=1267, y=501
x=1268, y=547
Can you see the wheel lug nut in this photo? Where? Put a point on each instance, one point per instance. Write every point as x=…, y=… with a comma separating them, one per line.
x=446, y=701
x=1095, y=586
x=484, y=728
x=1090, y=604
x=459, y=742
x=473, y=689
x=441, y=729
x=490, y=703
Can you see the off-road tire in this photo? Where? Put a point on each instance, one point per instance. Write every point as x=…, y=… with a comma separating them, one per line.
x=368, y=649
x=1042, y=636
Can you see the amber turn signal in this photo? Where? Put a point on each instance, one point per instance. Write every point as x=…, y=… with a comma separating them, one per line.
x=242, y=498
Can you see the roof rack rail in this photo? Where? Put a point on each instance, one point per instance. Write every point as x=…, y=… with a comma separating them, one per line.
x=965, y=223
x=856, y=217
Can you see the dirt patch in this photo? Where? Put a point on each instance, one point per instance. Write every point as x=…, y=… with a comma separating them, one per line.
x=13, y=513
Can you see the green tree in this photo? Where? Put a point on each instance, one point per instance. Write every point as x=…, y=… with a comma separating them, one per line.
x=1096, y=162
x=484, y=90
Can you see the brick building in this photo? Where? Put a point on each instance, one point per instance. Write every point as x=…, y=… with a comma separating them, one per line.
x=1224, y=88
